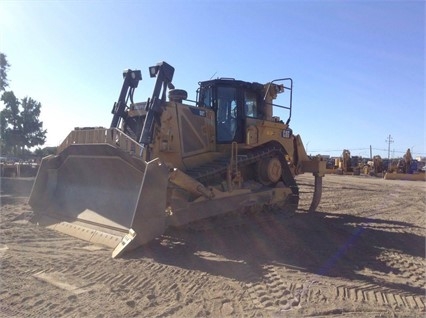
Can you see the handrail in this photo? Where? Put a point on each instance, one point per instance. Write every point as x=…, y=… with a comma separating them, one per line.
x=100, y=135
x=290, y=88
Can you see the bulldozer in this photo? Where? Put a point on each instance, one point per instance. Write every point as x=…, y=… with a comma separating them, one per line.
x=171, y=161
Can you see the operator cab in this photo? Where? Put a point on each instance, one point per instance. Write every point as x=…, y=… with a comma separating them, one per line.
x=232, y=101
x=237, y=102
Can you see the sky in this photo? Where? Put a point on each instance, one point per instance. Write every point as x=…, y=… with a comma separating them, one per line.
x=358, y=66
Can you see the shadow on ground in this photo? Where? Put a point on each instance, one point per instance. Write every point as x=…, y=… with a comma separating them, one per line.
x=329, y=244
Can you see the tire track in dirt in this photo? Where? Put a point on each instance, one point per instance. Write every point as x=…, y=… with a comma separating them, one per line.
x=274, y=293
x=296, y=291
x=377, y=296
x=411, y=270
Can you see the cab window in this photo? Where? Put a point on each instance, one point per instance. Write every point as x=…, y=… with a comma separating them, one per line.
x=207, y=97
x=250, y=104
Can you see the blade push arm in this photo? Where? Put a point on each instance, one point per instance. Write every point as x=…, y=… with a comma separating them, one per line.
x=131, y=81
x=164, y=73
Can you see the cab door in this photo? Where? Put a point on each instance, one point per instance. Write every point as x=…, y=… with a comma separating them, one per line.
x=225, y=98
x=229, y=115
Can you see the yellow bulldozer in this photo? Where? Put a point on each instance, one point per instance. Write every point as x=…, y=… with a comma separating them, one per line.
x=171, y=161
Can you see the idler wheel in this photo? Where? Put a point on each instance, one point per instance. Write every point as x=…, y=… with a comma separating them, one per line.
x=269, y=171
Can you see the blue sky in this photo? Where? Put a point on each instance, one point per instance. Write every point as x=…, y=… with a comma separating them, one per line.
x=358, y=66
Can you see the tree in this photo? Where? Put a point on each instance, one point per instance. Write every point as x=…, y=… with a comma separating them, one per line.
x=11, y=124
x=3, y=124
x=21, y=128
x=32, y=128
x=4, y=65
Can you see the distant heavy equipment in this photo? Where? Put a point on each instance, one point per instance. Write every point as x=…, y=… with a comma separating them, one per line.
x=403, y=165
x=346, y=163
x=168, y=163
x=377, y=164
x=373, y=167
x=404, y=169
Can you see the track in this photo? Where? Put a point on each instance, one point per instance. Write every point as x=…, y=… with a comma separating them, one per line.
x=217, y=169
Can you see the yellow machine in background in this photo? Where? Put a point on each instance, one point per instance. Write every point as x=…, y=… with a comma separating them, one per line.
x=404, y=169
x=170, y=162
x=346, y=165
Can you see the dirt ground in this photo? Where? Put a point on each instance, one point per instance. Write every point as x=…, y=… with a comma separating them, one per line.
x=361, y=255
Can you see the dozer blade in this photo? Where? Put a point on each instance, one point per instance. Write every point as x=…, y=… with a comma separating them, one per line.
x=103, y=195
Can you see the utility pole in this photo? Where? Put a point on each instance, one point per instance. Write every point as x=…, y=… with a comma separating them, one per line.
x=389, y=140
